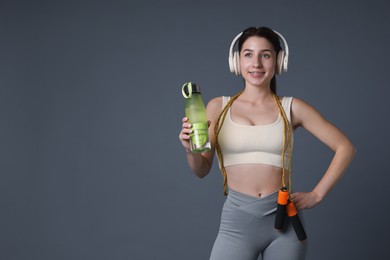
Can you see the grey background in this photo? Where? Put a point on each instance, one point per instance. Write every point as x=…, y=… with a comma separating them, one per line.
x=90, y=162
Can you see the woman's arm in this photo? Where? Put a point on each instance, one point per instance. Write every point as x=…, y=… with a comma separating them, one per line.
x=200, y=163
x=309, y=118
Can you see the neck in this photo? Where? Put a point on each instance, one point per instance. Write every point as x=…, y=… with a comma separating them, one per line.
x=256, y=93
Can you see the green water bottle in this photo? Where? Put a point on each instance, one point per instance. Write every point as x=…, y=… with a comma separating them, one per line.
x=196, y=114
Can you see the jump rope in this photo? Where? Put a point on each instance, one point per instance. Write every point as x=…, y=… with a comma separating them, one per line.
x=285, y=207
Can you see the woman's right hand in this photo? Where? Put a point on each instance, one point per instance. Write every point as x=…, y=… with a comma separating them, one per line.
x=199, y=163
x=185, y=132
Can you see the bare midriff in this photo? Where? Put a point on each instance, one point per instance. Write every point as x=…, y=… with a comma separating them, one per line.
x=257, y=180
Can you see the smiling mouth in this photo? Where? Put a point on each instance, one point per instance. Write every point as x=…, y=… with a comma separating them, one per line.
x=256, y=73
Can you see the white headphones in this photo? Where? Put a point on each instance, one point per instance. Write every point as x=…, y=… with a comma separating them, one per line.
x=282, y=59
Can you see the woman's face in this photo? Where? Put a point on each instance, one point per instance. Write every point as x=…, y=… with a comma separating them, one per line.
x=257, y=61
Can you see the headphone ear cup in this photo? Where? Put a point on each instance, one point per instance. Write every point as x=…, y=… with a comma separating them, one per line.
x=280, y=62
x=234, y=65
x=236, y=59
x=231, y=63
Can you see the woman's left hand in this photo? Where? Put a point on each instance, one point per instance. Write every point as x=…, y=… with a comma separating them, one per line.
x=305, y=200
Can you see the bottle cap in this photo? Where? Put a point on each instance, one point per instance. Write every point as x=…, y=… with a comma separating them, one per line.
x=189, y=88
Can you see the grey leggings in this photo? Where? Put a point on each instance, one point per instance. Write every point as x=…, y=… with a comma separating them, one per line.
x=247, y=231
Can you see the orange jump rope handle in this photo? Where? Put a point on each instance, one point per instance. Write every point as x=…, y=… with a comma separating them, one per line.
x=292, y=213
x=281, y=209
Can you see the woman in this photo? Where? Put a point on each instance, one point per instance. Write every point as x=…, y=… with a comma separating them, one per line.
x=252, y=135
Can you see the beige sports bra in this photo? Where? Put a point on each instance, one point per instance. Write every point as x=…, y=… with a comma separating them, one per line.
x=259, y=144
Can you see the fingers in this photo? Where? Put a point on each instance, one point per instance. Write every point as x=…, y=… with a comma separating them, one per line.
x=185, y=130
x=185, y=124
x=303, y=200
x=293, y=197
x=297, y=199
x=185, y=134
x=186, y=127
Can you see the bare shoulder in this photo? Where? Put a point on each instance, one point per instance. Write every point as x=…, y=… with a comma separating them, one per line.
x=300, y=103
x=214, y=107
x=215, y=102
x=300, y=106
x=303, y=112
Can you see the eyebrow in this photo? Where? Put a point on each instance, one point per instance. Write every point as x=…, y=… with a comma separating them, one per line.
x=260, y=51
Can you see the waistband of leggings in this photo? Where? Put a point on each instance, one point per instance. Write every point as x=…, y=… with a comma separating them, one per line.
x=241, y=198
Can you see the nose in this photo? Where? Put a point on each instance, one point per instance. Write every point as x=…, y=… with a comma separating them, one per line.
x=257, y=63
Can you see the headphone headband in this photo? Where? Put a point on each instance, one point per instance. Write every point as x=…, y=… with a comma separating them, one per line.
x=282, y=59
